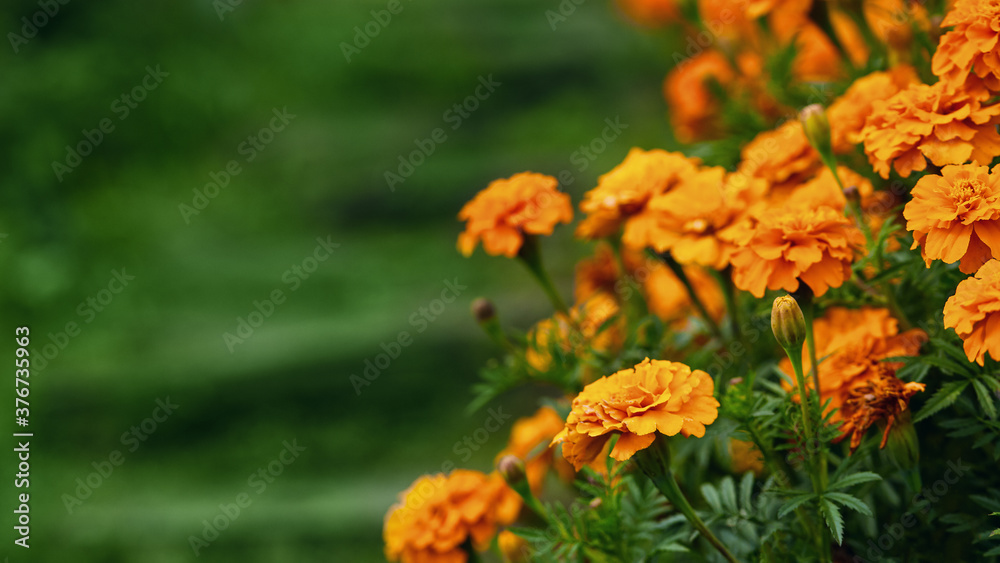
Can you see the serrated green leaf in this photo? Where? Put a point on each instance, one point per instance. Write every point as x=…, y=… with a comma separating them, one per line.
x=985, y=398
x=746, y=490
x=794, y=503
x=854, y=479
x=854, y=503
x=947, y=365
x=945, y=396
x=833, y=519
x=711, y=497
x=728, y=491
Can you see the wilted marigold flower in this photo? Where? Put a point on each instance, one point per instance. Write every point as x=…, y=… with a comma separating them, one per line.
x=968, y=56
x=694, y=108
x=852, y=343
x=847, y=113
x=622, y=195
x=655, y=396
x=881, y=398
x=956, y=216
x=438, y=513
x=786, y=246
x=530, y=439
x=974, y=313
x=500, y=215
x=933, y=123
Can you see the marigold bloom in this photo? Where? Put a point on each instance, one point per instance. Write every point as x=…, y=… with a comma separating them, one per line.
x=601, y=272
x=956, y=216
x=893, y=21
x=530, y=439
x=585, y=331
x=622, y=195
x=438, y=513
x=652, y=13
x=500, y=215
x=852, y=343
x=881, y=398
x=974, y=313
x=932, y=123
x=968, y=56
x=782, y=157
x=694, y=109
x=692, y=219
x=790, y=245
x=668, y=299
x=513, y=547
x=847, y=113
x=823, y=190
x=744, y=456
x=636, y=403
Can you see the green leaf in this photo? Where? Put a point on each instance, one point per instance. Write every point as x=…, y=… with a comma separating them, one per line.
x=794, y=503
x=945, y=396
x=729, y=495
x=746, y=490
x=833, y=519
x=855, y=479
x=947, y=365
x=711, y=497
x=854, y=503
x=985, y=398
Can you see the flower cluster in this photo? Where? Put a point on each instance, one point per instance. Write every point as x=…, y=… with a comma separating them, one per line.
x=840, y=158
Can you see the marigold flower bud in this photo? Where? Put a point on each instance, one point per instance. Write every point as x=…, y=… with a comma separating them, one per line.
x=483, y=310
x=511, y=468
x=817, y=129
x=788, y=323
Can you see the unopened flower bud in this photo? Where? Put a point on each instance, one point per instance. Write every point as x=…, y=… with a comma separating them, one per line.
x=817, y=129
x=596, y=502
x=483, y=310
x=788, y=323
x=852, y=195
x=511, y=468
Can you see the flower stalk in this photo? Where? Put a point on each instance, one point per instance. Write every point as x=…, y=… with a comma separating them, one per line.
x=654, y=461
x=678, y=271
x=531, y=255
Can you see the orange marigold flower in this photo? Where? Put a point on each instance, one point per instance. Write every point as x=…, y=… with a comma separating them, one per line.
x=893, y=21
x=694, y=109
x=438, y=513
x=956, y=216
x=500, y=215
x=790, y=245
x=848, y=112
x=622, y=195
x=781, y=157
x=968, y=56
x=852, y=343
x=745, y=456
x=974, y=313
x=693, y=218
x=636, y=403
x=652, y=13
x=514, y=548
x=601, y=272
x=932, y=123
x=668, y=299
x=584, y=332
x=530, y=439
x=881, y=398
x=823, y=189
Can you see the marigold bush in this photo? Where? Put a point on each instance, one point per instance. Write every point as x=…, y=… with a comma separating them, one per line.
x=783, y=342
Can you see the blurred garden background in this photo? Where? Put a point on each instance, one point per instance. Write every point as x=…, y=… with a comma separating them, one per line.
x=166, y=97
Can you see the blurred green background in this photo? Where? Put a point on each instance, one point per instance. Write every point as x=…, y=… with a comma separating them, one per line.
x=69, y=230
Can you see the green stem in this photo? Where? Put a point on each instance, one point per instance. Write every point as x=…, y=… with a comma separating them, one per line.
x=531, y=255
x=678, y=271
x=654, y=461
